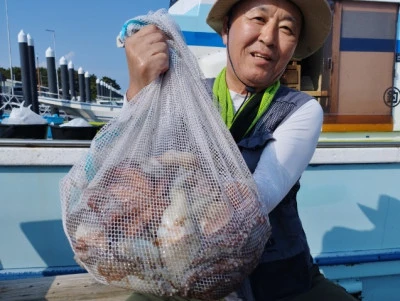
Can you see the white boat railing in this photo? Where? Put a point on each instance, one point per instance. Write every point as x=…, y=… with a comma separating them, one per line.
x=9, y=101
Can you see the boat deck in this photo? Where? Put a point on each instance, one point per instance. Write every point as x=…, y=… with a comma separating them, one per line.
x=66, y=287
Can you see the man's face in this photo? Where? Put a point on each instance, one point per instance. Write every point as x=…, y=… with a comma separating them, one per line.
x=261, y=41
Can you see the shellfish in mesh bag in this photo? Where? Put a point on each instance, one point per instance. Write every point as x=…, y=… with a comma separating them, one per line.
x=163, y=202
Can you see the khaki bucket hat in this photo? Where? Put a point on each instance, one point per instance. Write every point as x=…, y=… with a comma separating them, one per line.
x=317, y=22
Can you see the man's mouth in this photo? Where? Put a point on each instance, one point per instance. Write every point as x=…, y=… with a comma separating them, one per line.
x=263, y=56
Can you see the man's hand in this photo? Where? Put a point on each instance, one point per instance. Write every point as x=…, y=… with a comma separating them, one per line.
x=147, y=57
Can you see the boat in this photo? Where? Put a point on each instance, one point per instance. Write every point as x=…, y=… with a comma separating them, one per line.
x=102, y=109
x=349, y=202
x=99, y=111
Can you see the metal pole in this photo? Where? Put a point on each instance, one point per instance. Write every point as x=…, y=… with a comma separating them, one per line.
x=81, y=80
x=51, y=72
x=32, y=74
x=9, y=51
x=25, y=74
x=55, y=57
x=64, y=78
x=87, y=87
x=71, y=74
x=38, y=74
x=98, y=89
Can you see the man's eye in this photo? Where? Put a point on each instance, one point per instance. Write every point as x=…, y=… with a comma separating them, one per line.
x=259, y=19
x=287, y=29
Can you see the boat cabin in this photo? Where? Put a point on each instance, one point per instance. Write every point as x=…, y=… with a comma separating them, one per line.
x=353, y=75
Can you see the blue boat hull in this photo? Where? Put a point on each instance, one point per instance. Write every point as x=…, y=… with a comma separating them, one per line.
x=350, y=213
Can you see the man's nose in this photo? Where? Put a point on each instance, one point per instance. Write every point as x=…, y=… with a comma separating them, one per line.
x=269, y=34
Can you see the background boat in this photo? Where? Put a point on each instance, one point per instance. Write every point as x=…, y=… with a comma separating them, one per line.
x=100, y=110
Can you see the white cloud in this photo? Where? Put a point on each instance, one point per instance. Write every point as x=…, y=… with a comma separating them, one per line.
x=69, y=56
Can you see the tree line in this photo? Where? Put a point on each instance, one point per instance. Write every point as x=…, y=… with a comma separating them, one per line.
x=42, y=79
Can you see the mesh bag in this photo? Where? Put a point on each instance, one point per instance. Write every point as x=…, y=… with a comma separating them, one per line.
x=163, y=202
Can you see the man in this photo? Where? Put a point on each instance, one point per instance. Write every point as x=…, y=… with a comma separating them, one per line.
x=276, y=128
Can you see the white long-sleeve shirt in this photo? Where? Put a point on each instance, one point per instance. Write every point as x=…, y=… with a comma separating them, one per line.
x=286, y=157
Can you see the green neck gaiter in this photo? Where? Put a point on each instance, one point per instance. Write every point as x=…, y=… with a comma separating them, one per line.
x=223, y=96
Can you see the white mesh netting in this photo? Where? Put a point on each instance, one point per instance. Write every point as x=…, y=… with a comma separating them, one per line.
x=163, y=202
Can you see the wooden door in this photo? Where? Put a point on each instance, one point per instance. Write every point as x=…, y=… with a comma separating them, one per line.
x=363, y=52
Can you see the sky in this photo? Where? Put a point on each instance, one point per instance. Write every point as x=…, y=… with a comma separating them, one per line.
x=85, y=32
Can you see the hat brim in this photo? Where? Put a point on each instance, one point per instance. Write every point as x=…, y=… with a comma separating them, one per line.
x=317, y=20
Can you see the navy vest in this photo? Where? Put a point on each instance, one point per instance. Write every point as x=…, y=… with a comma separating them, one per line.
x=288, y=237
x=285, y=266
